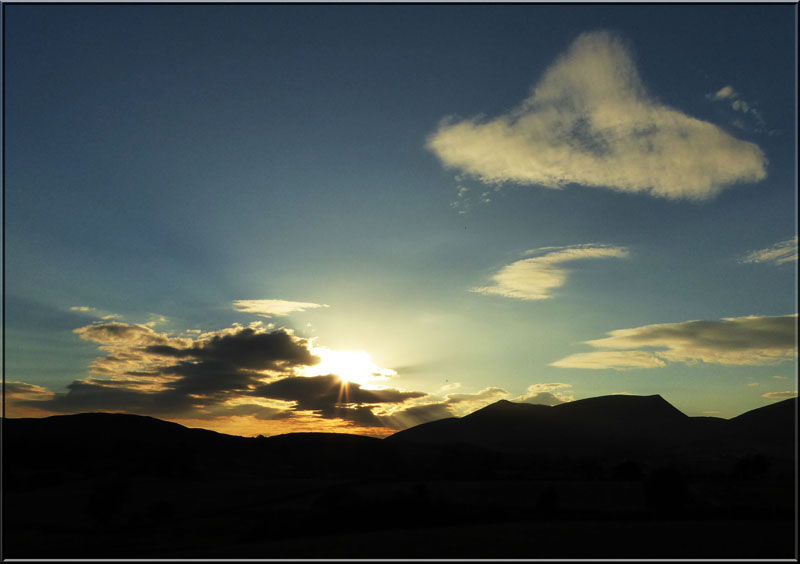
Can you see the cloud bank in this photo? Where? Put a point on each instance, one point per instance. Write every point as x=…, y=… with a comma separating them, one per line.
x=273, y=308
x=739, y=341
x=591, y=121
x=536, y=278
x=779, y=253
x=252, y=371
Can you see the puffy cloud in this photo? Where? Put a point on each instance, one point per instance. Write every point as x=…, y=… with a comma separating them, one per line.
x=779, y=253
x=252, y=372
x=545, y=398
x=546, y=394
x=153, y=373
x=780, y=395
x=590, y=121
x=740, y=341
x=535, y=278
x=247, y=348
x=463, y=403
x=270, y=308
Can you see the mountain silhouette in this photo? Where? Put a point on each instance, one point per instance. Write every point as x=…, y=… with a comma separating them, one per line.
x=617, y=424
x=110, y=485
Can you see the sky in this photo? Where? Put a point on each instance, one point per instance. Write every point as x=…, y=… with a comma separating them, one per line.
x=262, y=219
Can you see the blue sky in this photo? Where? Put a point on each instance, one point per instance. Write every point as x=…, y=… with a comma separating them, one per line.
x=474, y=192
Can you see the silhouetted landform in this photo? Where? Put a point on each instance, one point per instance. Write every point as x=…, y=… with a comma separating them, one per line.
x=606, y=477
x=613, y=426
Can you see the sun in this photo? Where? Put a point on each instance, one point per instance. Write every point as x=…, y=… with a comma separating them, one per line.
x=349, y=366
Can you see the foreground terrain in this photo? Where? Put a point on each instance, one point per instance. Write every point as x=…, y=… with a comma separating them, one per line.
x=605, y=477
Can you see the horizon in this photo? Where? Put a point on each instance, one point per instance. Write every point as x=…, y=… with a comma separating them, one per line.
x=265, y=219
x=379, y=436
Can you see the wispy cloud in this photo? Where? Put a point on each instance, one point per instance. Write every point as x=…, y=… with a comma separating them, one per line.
x=780, y=395
x=273, y=308
x=740, y=341
x=730, y=96
x=536, y=278
x=619, y=360
x=22, y=390
x=779, y=253
x=590, y=121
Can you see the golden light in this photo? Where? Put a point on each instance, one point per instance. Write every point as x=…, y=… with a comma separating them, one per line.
x=349, y=366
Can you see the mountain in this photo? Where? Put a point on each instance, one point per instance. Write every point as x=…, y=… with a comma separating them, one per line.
x=610, y=428
x=617, y=425
x=619, y=472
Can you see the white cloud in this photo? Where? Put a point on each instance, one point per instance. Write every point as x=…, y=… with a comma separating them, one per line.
x=740, y=341
x=779, y=253
x=732, y=97
x=590, y=121
x=618, y=360
x=462, y=201
x=723, y=93
x=484, y=396
x=536, y=278
x=546, y=394
x=463, y=403
x=780, y=395
x=82, y=308
x=270, y=308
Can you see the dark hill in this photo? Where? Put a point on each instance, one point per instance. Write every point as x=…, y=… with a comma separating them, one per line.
x=615, y=426
x=112, y=485
x=775, y=422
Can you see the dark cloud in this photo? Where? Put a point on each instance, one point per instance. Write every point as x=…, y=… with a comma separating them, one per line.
x=216, y=375
x=319, y=393
x=247, y=348
x=96, y=395
x=358, y=415
x=155, y=374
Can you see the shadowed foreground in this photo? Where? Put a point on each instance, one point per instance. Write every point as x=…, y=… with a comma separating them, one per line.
x=602, y=478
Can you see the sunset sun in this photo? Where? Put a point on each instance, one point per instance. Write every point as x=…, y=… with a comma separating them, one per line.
x=350, y=366
x=326, y=280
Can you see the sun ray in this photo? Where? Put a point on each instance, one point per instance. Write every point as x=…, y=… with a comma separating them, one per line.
x=349, y=366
